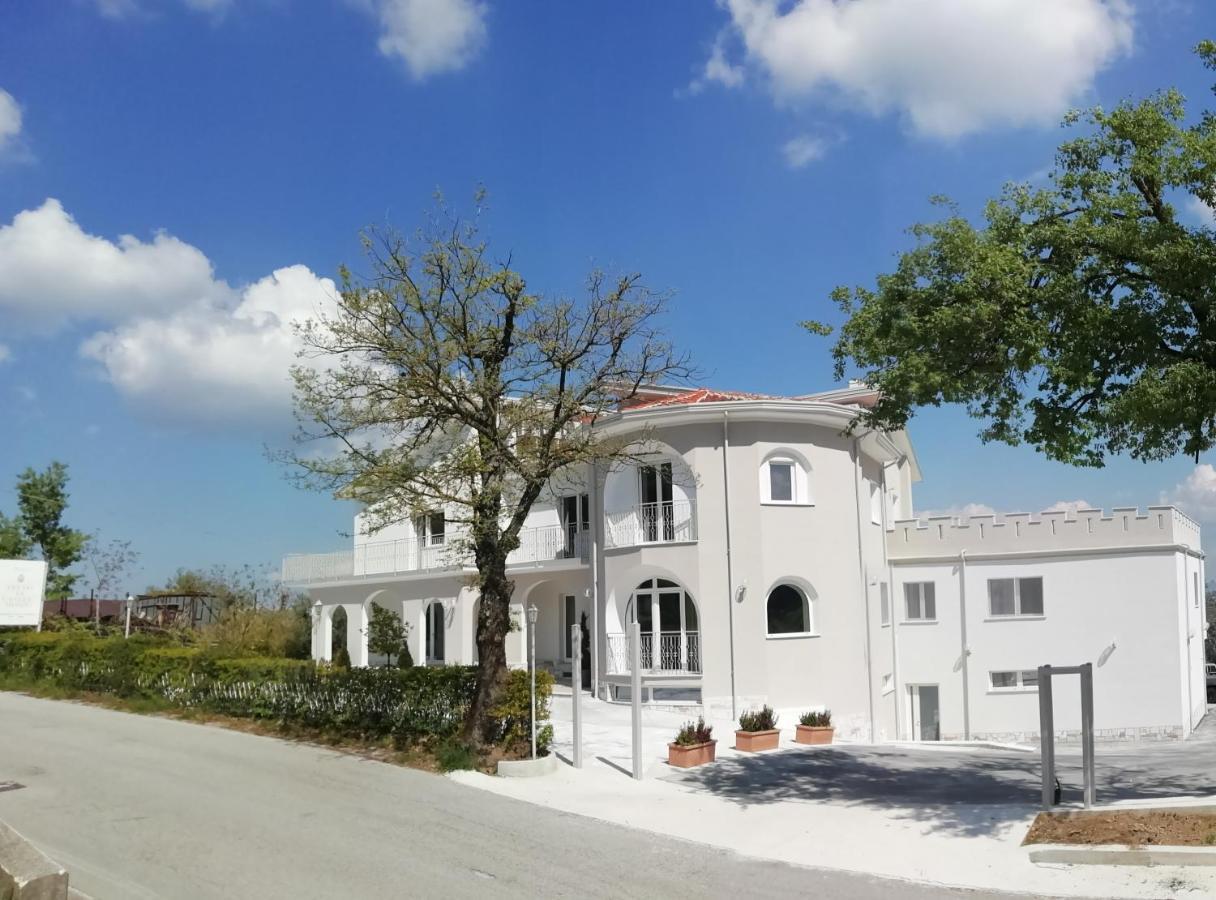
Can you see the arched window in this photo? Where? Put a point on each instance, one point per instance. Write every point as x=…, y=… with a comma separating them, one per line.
x=788, y=611
x=785, y=479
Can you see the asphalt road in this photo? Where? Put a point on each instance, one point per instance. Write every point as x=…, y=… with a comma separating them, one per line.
x=142, y=807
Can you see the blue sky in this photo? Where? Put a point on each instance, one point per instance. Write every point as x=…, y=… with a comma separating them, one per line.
x=746, y=155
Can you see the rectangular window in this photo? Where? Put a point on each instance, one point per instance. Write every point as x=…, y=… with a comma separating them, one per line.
x=435, y=526
x=781, y=482
x=920, y=601
x=1015, y=596
x=884, y=604
x=568, y=620
x=1019, y=680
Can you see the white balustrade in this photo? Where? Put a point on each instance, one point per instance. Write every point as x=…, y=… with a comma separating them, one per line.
x=679, y=651
x=536, y=545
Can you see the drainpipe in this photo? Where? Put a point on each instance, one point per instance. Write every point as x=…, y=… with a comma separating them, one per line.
x=730, y=583
x=887, y=525
x=861, y=571
x=962, y=615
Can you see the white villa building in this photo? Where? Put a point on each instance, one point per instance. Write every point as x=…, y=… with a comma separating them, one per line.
x=770, y=558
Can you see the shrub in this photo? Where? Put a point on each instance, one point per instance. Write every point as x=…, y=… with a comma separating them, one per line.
x=451, y=755
x=694, y=733
x=816, y=719
x=513, y=713
x=763, y=719
x=341, y=658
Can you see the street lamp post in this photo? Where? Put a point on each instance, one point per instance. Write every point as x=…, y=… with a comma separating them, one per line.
x=127, y=629
x=532, y=613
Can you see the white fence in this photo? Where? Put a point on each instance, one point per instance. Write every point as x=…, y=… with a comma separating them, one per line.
x=679, y=651
x=536, y=545
x=652, y=523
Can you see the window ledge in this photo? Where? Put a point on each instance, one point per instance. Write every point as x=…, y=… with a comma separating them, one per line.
x=919, y=622
x=1012, y=690
x=1035, y=618
x=784, y=503
x=793, y=635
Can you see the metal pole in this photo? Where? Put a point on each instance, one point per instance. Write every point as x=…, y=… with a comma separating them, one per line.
x=576, y=682
x=1047, y=737
x=532, y=666
x=635, y=693
x=730, y=578
x=1087, y=730
x=127, y=629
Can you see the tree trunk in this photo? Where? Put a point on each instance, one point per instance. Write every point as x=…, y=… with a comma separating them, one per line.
x=493, y=623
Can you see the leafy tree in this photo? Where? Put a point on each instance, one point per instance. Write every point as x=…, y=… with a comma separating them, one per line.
x=1081, y=316
x=242, y=587
x=42, y=499
x=388, y=636
x=443, y=383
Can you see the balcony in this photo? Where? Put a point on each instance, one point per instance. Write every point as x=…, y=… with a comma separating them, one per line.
x=679, y=653
x=407, y=556
x=673, y=521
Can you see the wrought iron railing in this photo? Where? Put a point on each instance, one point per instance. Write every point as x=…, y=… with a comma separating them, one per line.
x=652, y=523
x=679, y=652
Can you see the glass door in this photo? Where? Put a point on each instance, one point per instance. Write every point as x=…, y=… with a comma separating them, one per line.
x=658, y=523
x=924, y=707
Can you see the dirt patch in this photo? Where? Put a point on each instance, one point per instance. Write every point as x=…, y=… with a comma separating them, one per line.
x=1131, y=828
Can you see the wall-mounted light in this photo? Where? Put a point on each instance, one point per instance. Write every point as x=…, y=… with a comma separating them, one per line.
x=740, y=593
x=1106, y=652
x=958, y=663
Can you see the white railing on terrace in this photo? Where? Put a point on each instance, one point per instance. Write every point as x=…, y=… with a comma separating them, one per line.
x=679, y=653
x=536, y=545
x=651, y=523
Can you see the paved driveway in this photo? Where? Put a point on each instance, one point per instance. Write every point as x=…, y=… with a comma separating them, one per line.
x=939, y=777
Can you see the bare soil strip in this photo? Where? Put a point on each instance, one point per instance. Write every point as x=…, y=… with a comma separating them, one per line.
x=1131, y=828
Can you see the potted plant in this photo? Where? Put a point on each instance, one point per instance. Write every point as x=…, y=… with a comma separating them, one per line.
x=757, y=730
x=694, y=745
x=815, y=728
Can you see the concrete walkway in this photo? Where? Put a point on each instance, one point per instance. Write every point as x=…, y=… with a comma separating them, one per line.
x=139, y=807
x=950, y=814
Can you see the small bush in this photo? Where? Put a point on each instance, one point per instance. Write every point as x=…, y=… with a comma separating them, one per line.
x=341, y=659
x=513, y=714
x=451, y=755
x=762, y=719
x=816, y=719
x=694, y=733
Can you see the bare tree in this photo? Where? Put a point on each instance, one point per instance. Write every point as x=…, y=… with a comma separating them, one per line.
x=442, y=382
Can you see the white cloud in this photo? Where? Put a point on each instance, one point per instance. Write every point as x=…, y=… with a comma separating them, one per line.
x=1200, y=212
x=5, y=353
x=123, y=9
x=1195, y=494
x=1069, y=506
x=962, y=512
x=949, y=66
x=803, y=150
x=215, y=364
x=718, y=70
x=10, y=120
x=53, y=272
x=117, y=9
x=431, y=36
x=214, y=7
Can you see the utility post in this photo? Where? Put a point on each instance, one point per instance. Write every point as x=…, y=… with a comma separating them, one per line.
x=576, y=684
x=635, y=694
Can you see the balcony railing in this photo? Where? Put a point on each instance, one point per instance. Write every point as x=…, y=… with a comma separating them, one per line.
x=652, y=523
x=679, y=653
x=536, y=545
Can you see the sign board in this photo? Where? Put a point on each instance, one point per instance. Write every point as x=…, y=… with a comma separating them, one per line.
x=22, y=586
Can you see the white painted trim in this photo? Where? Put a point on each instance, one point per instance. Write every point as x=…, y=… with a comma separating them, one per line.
x=792, y=635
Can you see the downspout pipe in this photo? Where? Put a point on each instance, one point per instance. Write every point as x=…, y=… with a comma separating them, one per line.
x=730, y=581
x=962, y=616
x=861, y=571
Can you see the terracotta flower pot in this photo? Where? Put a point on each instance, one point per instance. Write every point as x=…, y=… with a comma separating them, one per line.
x=815, y=734
x=685, y=756
x=753, y=741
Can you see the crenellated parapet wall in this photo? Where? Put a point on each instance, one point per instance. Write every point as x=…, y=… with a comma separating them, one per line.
x=1052, y=531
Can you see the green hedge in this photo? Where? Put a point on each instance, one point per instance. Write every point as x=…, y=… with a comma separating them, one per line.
x=406, y=704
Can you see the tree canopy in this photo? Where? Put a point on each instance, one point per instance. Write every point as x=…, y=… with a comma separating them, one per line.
x=1080, y=317
x=443, y=382
x=42, y=500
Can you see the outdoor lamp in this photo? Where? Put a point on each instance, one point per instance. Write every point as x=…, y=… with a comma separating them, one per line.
x=532, y=614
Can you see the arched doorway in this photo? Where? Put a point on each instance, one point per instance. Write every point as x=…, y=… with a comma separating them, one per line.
x=337, y=636
x=436, y=622
x=670, y=625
